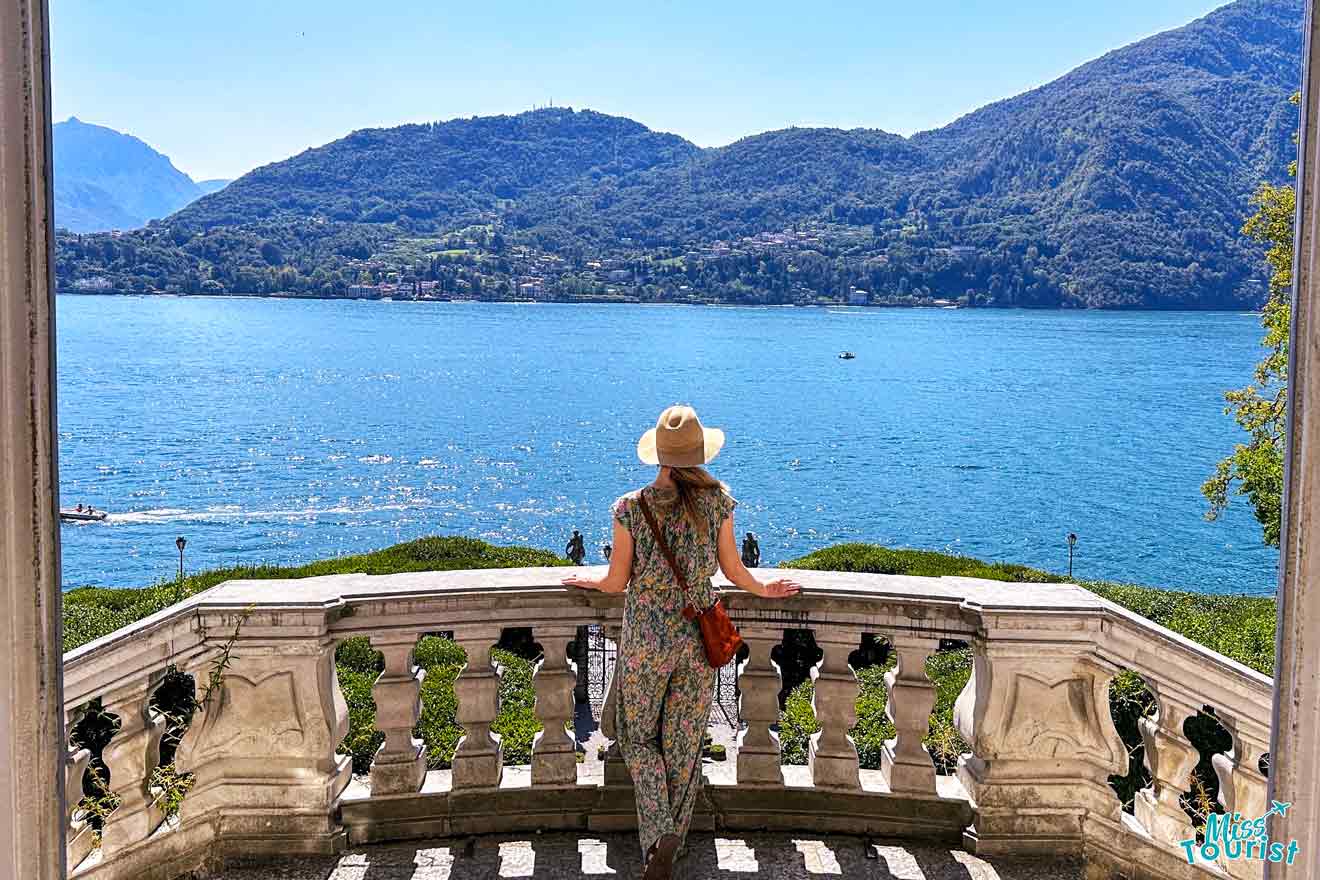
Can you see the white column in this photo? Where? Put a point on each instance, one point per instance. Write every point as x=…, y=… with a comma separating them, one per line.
x=905, y=761
x=1295, y=746
x=478, y=760
x=131, y=756
x=832, y=755
x=1169, y=757
x=758, y=680
x=79, y=829
x=554, y=752
x=33, y=750
x=1241, y=784
x=400, y=763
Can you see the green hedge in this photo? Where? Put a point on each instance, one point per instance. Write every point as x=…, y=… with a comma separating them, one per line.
x=92, y=612
x=875, y=559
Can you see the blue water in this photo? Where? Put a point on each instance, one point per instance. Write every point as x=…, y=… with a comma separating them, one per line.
x=281, y=431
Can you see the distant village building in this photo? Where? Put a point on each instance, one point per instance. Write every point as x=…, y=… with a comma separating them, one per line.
x=858, y=297
x=99, y=283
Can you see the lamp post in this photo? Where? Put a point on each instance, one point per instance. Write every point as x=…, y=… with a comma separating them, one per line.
x=180, y=542
x=1072, y=542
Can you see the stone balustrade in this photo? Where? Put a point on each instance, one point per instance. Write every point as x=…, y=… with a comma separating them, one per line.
x=1041, y=744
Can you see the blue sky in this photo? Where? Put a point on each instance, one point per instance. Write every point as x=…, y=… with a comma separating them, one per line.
x=224, y=87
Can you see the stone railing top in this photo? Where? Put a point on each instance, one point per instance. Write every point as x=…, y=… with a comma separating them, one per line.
x=338, y=606
x=355, y=587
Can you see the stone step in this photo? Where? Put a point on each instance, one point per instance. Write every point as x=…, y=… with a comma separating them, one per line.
x=570, y=856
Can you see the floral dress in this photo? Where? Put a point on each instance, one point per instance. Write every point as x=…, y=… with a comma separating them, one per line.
x=665, y=683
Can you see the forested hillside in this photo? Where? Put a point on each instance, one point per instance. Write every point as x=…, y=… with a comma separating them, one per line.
x=1122, y=184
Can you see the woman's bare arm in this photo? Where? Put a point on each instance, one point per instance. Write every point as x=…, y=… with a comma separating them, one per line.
x=621, y=559
x=732, y=565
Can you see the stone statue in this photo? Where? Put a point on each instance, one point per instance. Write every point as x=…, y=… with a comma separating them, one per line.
x=751, y=551
x=575, y=549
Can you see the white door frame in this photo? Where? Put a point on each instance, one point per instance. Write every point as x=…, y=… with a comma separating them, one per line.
x=32, y=762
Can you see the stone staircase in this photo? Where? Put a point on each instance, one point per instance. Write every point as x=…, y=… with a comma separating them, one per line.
x=569, y=856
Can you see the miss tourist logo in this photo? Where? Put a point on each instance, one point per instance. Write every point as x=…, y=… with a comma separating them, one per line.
x=1238, y=839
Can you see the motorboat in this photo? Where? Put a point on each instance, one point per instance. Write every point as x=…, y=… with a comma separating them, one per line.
x=87, y=514
x=846, y=355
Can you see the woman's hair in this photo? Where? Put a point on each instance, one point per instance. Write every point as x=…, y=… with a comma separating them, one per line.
x=690, y=483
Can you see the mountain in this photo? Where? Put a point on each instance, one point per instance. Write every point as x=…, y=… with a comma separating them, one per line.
x=1122, y=184
x=214, y=184
x=105, y=179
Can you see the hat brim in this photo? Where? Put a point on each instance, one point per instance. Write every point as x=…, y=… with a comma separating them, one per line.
x=713, y=441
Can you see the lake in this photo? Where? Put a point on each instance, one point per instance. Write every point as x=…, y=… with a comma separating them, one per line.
x=284, y=431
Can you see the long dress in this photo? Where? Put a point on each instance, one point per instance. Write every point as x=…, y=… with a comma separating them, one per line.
x=665, y=683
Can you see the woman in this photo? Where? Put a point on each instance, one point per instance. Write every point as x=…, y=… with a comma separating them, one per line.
x=664, y=681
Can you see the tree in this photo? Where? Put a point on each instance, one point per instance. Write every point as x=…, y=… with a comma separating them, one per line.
x=1255, y=468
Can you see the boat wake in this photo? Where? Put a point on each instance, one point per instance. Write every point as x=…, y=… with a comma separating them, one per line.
x=224, y=514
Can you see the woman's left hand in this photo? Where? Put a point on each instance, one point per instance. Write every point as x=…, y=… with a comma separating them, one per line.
x=581, y=582
x=781, y=588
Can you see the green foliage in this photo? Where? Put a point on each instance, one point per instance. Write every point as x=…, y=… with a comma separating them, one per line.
x=516, y=723
x=926, y=563
x=357, y=655
x=797, y=722
x=1255, y=467
x=363, y=739
x=437, y=726
x=872, y=728
x=168, y=788
x=1240, y=627
x=949, y=670
x=92, y=612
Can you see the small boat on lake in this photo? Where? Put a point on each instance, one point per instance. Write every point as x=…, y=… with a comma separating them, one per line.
x=85, y=514
x=846, y=355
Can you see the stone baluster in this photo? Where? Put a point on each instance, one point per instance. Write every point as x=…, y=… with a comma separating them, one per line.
x=554, y=753
x=833, y=757
x=1169, y=758
x=478, y=760
x=905, y=762
x=80, y=832
x=616, y=771
x=759, y=683
x=400, y=763
x=131, y=757
x=264, y=749
x=1242, y=787
x=1043, y=745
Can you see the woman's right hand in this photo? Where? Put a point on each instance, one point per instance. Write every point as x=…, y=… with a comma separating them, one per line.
x=780, y=588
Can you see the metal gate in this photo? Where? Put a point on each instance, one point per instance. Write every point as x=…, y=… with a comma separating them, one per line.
x=602, y=654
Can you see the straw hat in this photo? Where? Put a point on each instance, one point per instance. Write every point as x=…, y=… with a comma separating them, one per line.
x=679, y=440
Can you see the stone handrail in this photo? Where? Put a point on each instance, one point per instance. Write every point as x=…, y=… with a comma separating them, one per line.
x=268, y=780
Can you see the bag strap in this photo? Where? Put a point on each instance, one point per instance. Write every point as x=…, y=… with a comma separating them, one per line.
x=664, y=547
